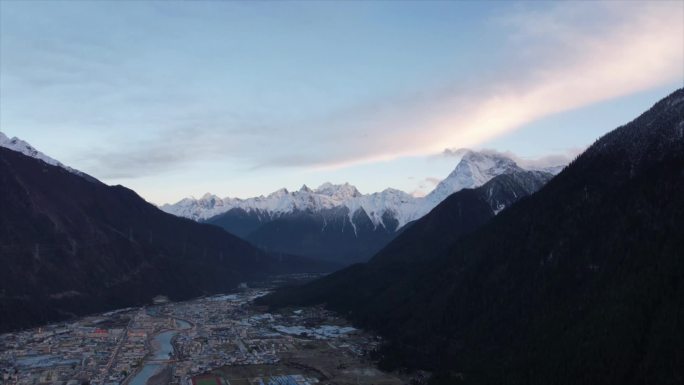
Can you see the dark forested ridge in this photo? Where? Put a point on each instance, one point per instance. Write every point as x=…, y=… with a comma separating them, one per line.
x=580, y=283
x=327, y=234
x=71, y=245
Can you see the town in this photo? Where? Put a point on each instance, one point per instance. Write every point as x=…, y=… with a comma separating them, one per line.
x=217, y=340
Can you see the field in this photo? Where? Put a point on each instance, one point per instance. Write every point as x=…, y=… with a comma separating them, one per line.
x=315, y=361
x=207, y=380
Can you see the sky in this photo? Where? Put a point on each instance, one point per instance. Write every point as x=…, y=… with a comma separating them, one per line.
x=175, y=99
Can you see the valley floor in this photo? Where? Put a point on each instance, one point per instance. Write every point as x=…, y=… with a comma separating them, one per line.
x=219, y=340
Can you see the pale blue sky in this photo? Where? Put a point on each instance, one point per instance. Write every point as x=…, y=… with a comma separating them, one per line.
x=241, y=98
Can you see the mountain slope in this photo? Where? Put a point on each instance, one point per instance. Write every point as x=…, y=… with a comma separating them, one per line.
x=347, y=232
x=72, y=245
x=581, y=283
x=18, y=145
x=426, y=239
x=329, y=235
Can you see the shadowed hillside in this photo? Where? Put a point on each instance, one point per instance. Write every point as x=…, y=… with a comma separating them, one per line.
x=72, y=245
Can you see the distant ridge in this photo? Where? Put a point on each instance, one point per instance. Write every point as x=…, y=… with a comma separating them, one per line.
x=337, y=222
x=473, y=170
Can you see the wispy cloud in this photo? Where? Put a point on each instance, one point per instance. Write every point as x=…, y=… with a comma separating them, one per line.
x=169, y=150
x=566, y=57
x=569, y=56
x=550, y=160
x=559, y=56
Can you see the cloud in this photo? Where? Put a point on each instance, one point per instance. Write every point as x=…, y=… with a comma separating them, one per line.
x=454, y=152
x=169, y=150
x=559, y=56
x=425, y=186
x=550, y=160
x=573, y=55
x=432, y=181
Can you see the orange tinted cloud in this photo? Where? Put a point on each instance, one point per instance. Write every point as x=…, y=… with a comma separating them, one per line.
x=641, y=46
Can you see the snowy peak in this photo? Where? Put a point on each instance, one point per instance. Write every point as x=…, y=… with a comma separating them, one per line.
x=18, y=145
x=209, y=197
x=490, y=162
x=473, y=170
x=338, y=191
x=402, y=206
x=279, y=193
x=210, y=201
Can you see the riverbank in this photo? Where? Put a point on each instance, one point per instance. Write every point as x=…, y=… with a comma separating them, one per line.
x=156, y=368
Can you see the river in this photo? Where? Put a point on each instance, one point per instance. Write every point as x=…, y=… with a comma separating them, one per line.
x=162, y=349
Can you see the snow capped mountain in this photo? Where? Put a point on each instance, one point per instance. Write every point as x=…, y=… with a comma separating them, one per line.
x=473, y=170
x=336, y=222
x=401, y=206
x=18, y=145
x=275, y=204
x=338, y=192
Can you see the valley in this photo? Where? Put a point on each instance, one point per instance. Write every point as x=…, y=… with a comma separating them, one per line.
x=221, y=339
x=341, y=192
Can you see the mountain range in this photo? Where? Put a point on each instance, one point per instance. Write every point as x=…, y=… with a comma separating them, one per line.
x=581, y=282
x=337, y=222
x=73, y=245
x=500, y=275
